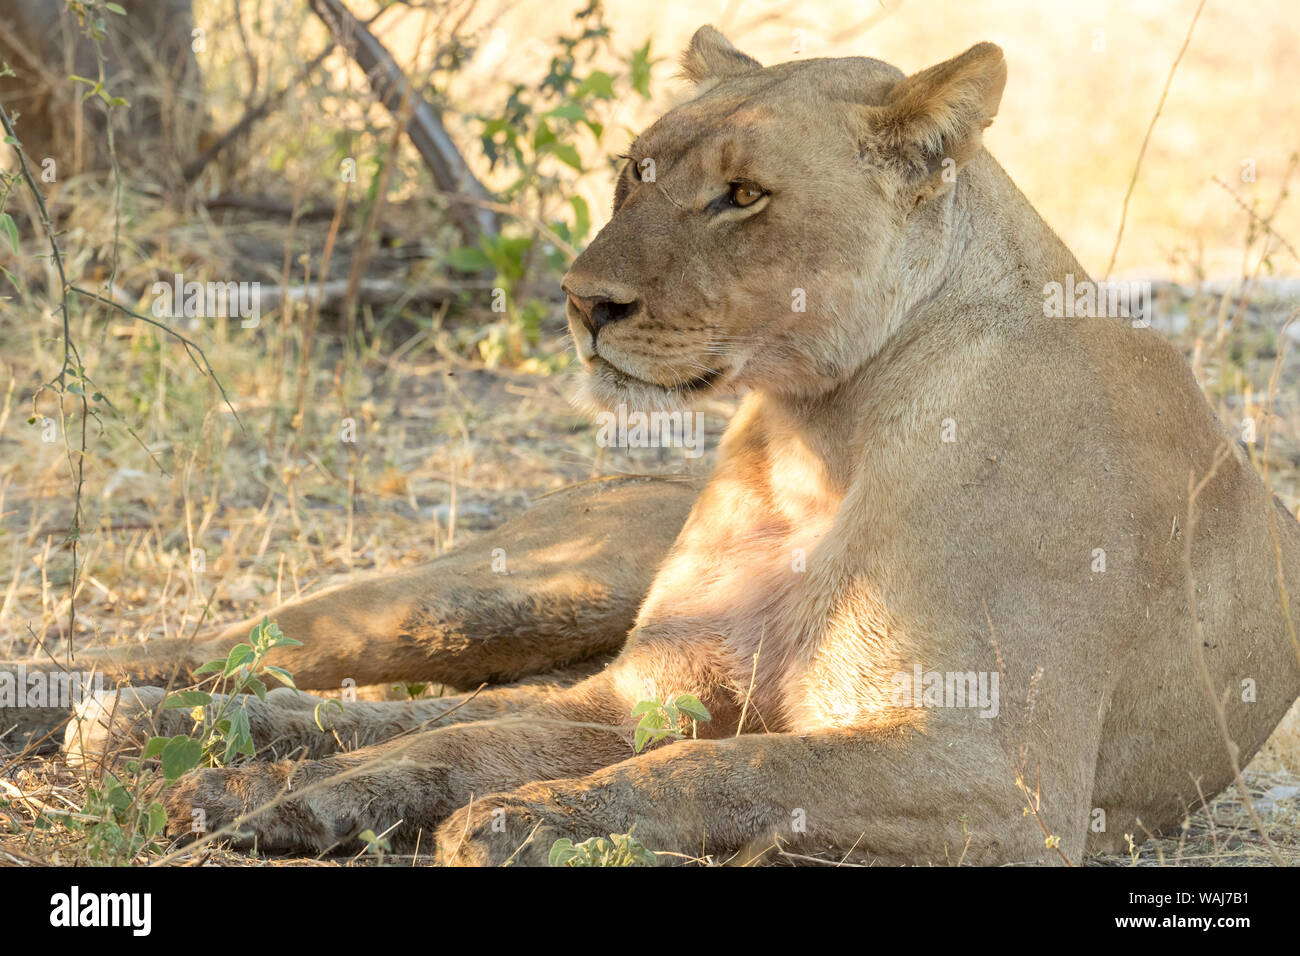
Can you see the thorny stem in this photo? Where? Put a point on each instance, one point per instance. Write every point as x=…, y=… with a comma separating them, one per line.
x=76, y=457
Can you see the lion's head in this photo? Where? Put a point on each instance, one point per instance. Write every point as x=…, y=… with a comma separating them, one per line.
x=771, y=231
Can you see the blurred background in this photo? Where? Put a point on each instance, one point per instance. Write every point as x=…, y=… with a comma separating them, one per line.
x=403, y=184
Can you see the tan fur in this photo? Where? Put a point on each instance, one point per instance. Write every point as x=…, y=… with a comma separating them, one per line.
x=841, y=541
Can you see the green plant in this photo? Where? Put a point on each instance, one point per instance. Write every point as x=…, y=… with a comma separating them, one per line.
x=537, y=135
x=660, y=720
x=224, y=731
x=117, y=820
x=620, y=849
x=513, y=338
x=375, y=845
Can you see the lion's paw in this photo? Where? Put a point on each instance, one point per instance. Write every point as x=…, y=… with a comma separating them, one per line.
x=496, y=832
x=107, y=727
x=255, y=805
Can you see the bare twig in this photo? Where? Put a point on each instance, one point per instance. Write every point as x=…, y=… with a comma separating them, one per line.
x=76, y=462
x=1132, y=183
x=1263, y=222
x=191, y=347
x=1194, y=488
x=191, y=170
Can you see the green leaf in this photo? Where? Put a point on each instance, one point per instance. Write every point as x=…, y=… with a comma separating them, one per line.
x=543, y=136
x=157, y=818
x=640, y=738
x=114, y=8
x=468, y=259
x=571, y=111
x=272, y=636
x=639, y=64
x=211, y=666
x=562, y=852
x=155, y=747
x=324, y=705
x=257, y=686
x=10, y=276
x=239, y=655
x=690, y=705
x=241, y=735
x=118, y=798
x=282, y=675
x=567, y=154
x=10, y=229
x=599, y=84
x=186, y=699
x=581, y=218
x=180, y=755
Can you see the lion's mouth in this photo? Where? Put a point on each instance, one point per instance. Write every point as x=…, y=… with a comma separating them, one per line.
x=692, y=386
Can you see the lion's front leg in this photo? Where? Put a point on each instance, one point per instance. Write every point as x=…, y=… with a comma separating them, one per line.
x=408, y=786
x=311, y=806
x=902, y=797
x=402, y=789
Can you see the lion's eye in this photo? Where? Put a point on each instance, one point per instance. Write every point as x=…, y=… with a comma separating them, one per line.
x=745, y=194
x=636, y=169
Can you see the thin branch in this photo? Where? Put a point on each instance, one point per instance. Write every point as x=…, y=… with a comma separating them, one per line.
x=191, y=347
x=1264, y=223
x=191, y=170
x=77, y=463
x=1194, y=489
x=1132, y=183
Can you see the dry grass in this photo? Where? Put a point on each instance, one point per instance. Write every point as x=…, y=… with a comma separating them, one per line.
x=447, y=446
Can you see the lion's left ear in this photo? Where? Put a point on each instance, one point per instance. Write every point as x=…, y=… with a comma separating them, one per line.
x=711, y=58
x=934, y=119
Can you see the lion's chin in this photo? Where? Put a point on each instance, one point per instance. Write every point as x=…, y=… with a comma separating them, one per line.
x=603, y=388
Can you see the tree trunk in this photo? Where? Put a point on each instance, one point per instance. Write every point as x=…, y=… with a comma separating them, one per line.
x=148, y=60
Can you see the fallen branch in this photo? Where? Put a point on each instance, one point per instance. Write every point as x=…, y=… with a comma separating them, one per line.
x=268, y=206
x=450, y=171
x=369, y=292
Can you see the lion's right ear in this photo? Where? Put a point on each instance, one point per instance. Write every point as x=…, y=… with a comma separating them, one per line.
x=933, y=120
x=711, y=58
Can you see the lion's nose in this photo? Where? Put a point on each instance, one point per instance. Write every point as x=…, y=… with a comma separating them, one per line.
x=598, y=311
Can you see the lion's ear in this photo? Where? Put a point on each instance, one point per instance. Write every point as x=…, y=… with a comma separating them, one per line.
x=711, y=58
x=934, y=119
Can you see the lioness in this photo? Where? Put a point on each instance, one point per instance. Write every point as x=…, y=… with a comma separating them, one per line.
x=940, y=573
